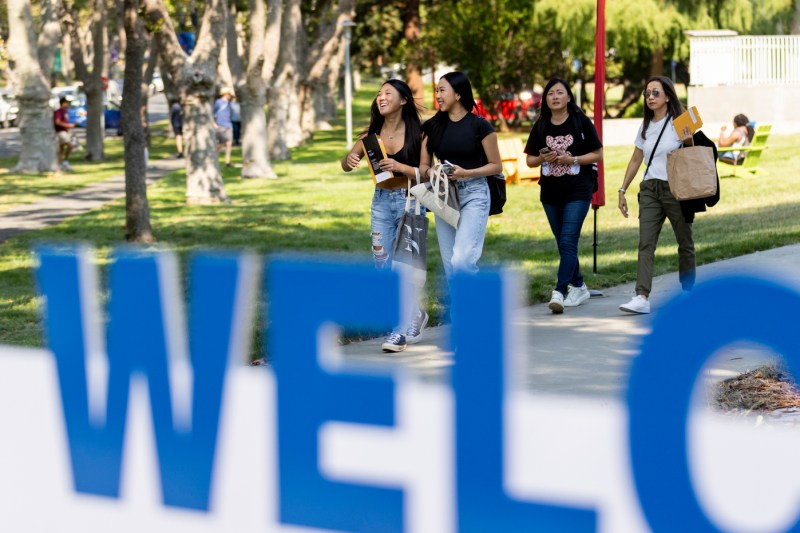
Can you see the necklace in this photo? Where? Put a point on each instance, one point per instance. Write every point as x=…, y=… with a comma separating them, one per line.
x=452, y=118
x=396, y=131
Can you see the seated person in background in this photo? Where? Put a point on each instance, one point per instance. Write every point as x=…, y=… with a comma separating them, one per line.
x=741, y=135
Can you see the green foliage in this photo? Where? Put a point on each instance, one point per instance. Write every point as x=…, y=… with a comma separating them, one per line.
x=378, y=37
x=492, y=41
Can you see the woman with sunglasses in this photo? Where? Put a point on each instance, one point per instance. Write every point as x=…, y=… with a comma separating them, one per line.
x=563, y=140
x=655, y=139
x=466, y=140
x=394, y=117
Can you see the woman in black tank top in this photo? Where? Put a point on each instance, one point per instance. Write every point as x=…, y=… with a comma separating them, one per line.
x=395, y=119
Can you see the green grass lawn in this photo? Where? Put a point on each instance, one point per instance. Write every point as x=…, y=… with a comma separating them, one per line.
x=314, y=206
x=20, y=189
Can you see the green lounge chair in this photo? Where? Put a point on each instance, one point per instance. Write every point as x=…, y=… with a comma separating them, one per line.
x=752, y=151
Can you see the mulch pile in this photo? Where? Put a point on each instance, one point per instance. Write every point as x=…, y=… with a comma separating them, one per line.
x=764, y=389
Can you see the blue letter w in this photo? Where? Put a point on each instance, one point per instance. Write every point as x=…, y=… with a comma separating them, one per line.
x=145, y=336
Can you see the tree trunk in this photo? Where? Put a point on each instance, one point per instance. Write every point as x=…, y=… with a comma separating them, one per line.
x=38, y=153
x=50, y=35
x=326, y=98
x=196, y=80
x=92, y=83
x=794, y=26
x=284, y=115
x=251, y=93
x=657, y=64
x=318, y=59
x=411, y=33
x=137, y=209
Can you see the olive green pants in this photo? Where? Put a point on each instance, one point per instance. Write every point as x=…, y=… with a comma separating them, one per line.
x=656, y=204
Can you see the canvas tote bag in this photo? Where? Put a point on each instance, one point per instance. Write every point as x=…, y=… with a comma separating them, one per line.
x=410, y=249
x=692, y=172
x=439, y=195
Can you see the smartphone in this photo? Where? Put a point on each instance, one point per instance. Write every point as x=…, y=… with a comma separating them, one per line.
x=545, y=150
x=447, y=166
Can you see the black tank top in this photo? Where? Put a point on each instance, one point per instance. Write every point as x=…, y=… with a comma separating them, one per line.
x=400, y=181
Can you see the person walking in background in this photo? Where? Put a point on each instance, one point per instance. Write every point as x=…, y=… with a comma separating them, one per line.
x=176, y=119
x=63, y=134
x=565, y=143
x=236, y=120
x=741, y=135
x=224, y=125
x=394, y=117
x=655, y=139
x=469, y=142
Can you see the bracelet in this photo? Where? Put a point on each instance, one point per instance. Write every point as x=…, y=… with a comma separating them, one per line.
x=622, y=190
x=575, y=160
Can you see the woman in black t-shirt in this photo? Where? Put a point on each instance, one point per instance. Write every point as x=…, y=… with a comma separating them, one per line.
x=563, y=140
x=455, y=134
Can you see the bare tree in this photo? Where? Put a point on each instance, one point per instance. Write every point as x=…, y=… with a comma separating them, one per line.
x=411, y=31
x=137, y=208
x=195, y=79
x=283, y=103
x=302, y=74
x=31, y=84
x=319, y=58
x=250, y=82
x=92, y=80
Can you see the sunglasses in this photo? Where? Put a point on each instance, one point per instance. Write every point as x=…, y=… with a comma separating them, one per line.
x=655, y=92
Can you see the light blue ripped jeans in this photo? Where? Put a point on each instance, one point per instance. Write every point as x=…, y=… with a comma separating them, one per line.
x=388, y=206
x=462, y=248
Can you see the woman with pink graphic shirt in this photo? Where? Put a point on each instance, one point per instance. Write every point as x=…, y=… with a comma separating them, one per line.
x=564, y=142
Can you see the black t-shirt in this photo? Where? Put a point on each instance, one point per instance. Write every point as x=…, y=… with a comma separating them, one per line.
x=574, y=137
x=461, y=141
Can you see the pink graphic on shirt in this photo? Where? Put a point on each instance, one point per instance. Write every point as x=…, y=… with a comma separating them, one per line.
x=559, y=144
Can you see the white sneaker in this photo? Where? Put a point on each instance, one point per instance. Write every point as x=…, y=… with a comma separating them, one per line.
x=65, y=166
x=638, y=304
x=576, y=295
x=556, y=303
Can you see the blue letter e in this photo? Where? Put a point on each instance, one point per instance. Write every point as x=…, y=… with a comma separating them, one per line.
x=305, y=298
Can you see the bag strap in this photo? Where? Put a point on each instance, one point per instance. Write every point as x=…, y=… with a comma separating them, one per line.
x=408, y=194
x=440, y=181
x=653, y=153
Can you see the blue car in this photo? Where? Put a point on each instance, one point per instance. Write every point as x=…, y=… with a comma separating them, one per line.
x=77, y=113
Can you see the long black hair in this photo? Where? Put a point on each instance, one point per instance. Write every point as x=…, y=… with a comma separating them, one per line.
x=546, y=113
x=742, y=120
x=434, y=127
x=410, y=115
x=674, y=106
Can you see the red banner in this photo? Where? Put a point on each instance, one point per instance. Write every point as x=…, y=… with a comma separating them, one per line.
x=599, y=198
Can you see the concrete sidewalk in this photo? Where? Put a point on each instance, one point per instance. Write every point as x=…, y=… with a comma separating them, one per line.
x=53, y=209
x=587, y=350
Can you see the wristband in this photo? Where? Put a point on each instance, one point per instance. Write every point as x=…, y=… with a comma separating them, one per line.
x=622, y=190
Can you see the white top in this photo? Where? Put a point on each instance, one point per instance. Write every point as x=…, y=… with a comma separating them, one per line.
x=669, y=142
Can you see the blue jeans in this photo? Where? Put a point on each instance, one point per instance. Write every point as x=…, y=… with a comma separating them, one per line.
x=566, y=222
x=388, y=206
x=461, y=248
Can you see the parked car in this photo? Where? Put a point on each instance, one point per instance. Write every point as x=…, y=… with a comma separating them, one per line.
x=515, y=108
x=77, y=112
x=9, y=110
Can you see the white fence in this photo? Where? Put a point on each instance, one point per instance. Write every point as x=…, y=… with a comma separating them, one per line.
x=745, y=60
